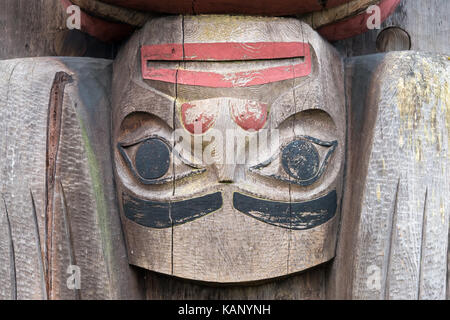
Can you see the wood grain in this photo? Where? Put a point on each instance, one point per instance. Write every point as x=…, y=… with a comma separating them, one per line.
x=265, y=7
x=239, y=245
x=83, y=189
x=38, y=28
x=425, y=21
x=399, y=210
x=113, y=13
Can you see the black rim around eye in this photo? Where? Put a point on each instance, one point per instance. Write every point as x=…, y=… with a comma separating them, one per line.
x=300, y=160
x=152, y=159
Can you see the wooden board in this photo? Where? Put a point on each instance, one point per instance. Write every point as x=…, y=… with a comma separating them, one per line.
x=394, y=242
x=57, y=186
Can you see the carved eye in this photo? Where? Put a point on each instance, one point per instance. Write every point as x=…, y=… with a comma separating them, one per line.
x=302, y=161
x=152, y=162
x=152, y=159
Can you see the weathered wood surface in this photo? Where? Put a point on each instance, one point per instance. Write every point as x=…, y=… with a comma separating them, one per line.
x=38, y=28
x=228, y=246
x=335, y=20
x=264, y=7
x=113, y=13
x=57, y=185
x=350, y=19
x=394, y=234
x=426, y=22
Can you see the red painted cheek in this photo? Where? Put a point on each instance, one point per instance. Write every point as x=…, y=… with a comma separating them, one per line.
x=197, y=119
x=250, y=116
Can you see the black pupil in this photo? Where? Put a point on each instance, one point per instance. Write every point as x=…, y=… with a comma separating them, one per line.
x=152, y=159
x=300, y=160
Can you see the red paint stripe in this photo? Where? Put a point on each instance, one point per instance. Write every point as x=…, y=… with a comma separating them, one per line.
x=225, y=80
x=226, y=51
x=101, y=29
x=356, y=25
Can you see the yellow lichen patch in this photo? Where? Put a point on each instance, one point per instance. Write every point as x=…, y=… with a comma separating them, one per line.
x=378, y=192
x=423, y=100
x=442, y=211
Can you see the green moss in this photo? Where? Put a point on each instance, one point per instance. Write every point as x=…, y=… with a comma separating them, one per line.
x=99, y=195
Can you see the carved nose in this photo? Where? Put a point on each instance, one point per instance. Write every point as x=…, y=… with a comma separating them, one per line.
x=225, y=173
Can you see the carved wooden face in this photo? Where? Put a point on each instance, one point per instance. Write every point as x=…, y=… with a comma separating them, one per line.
x=229, y=142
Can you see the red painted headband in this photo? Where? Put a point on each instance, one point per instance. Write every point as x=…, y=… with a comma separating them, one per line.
x=216, y=52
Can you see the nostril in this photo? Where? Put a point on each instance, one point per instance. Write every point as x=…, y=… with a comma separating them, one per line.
x=227, y=181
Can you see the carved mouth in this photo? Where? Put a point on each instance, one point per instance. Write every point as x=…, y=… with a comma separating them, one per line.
x=295, y=215
x=162, y=215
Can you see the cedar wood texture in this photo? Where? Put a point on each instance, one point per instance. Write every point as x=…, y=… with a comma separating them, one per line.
x=344, y=278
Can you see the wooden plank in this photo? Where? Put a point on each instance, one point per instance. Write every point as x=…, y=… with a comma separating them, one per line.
x=400, y=247
x=79, y=180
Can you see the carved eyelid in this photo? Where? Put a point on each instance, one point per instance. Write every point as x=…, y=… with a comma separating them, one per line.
x=136, y=141
x=331, y=144
x=122, y=145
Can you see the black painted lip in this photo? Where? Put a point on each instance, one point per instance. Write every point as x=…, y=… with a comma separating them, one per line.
x=294, y=216
x=162, y=215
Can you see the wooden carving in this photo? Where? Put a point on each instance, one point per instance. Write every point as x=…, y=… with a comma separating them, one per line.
x=223, y=219
x=246, y=153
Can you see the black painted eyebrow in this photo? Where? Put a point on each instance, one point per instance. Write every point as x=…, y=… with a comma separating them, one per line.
x=160, y=215
x=289, y=215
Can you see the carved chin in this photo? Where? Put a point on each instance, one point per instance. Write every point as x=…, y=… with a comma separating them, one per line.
x=294, y=215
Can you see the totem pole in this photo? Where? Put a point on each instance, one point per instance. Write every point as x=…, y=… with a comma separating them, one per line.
x=229, y=150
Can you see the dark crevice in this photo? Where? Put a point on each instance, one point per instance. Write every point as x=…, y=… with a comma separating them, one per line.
x=69, y=234
x=422, y=246
x=323, y=3
x=12, y=255
x=54, y=119
x=392, y=238
x=193, y=7
x=39, y=248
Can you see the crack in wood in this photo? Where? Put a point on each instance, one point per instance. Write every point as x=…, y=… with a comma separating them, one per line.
x=53, y=137
x=422, y=247
x=40, y=248
x=12, y=255
x=392, y=238
x=69, y=234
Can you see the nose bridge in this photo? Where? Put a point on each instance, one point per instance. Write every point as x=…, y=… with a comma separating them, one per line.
x=225, y=122
x=226, y=173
